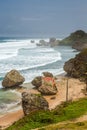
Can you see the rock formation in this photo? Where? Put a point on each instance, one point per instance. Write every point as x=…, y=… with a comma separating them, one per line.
x=12, y=78
x=77, y=67
x=37, y=81
x=33, y=102
x=47, y=74
x=52, y=42
x=45, y=84
x=48, y=86
x=78, y=40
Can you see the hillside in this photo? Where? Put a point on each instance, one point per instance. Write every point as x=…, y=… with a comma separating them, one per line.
x=77, y=39
x=61, y=113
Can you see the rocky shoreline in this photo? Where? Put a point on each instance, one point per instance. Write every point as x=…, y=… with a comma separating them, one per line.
x=75, y=92
x=47, y=91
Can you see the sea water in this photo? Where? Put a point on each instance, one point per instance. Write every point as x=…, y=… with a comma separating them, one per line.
x=31, y=61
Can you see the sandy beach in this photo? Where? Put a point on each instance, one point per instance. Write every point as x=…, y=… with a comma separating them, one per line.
x=74, y=93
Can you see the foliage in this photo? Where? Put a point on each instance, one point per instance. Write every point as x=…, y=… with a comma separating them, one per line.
x=79, y=35
x=43, y=118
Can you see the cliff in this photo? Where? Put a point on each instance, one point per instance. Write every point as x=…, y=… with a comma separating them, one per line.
x=77, y=67
x=78, y=40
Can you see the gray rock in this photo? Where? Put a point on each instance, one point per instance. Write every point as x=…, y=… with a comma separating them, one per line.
x=12, y=78
x=33, y=102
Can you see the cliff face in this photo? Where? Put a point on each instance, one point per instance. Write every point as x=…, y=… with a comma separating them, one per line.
x=78, y=40
x=77, y=67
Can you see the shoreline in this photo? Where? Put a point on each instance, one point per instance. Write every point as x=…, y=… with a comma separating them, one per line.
x=75, y=92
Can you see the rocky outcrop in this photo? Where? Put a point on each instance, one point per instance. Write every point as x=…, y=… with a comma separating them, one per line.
x=48, y=86
x=45, y=84
x=37, y=81
x=77, y=67
x=47, y=74
x=33, y=102
x=47, y=90
x=12, y=78
x=78, y=40
x=52, y=42
x=79, y=46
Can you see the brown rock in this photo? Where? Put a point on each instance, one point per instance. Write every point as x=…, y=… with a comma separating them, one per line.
x=48, y=86
x=37, y=81
x=47, y=90
x=33, y=102
x=47, y=74
x=77, y=67
x=12, y=78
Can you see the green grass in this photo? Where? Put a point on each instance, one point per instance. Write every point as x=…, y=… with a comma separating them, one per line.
x=43, y=118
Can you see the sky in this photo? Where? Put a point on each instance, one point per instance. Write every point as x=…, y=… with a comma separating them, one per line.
x=42, y=18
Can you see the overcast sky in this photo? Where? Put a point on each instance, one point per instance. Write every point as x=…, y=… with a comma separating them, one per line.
x=42, y=18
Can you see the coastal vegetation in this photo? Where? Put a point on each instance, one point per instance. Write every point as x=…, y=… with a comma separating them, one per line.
x=66, y=111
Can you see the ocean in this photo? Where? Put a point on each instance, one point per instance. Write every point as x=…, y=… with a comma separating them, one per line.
x=31, y=61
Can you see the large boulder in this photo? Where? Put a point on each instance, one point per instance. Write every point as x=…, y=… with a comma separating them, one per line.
x=77, y=67
x=47, y=74
x=33, y=102
x=47, y=90
x=37, y=81
x=12, y=78
x=48, y=86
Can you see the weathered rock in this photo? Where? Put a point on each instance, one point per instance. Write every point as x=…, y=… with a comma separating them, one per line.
x=47, y=74
x=33, y=102
x=48, y=86
x=53, y=42
x=47, y=90
x=37, y=81
x=77, y=67
x=79, y=46
x=12, y=78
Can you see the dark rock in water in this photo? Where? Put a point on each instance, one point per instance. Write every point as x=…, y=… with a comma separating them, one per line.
x=12, y=78
x=33, y=102
x=47, y=74
x=37, y=81
x=53, y=42
x=48, y=86
x=78, y=40
x=32, y=41
x=77, y=67
x=42, y=43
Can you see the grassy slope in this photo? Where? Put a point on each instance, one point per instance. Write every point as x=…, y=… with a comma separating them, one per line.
x=41, y=118
x=67, y=126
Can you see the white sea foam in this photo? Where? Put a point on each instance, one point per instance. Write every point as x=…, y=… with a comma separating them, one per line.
x=10, y=48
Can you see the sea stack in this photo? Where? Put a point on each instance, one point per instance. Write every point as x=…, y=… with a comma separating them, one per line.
x=12, y=79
